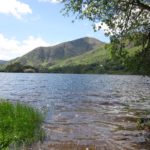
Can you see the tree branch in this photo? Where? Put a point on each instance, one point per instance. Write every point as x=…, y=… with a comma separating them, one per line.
x=141, y=5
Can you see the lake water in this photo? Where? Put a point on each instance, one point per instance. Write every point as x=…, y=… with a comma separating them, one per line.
x=85, y=112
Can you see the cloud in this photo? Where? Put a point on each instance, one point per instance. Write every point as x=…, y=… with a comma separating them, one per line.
x=14, y=8
x=51, y=1
x=11, y=48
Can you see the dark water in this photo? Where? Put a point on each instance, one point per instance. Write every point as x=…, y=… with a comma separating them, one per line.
x=85, y=112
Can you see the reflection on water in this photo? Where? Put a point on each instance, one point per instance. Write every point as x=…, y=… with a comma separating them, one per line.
x=87, y=112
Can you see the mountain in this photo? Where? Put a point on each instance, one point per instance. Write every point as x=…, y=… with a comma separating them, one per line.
x=50, y=55
x=96, y=61
x=2, y=62
x=87, y=55
x=95, y=56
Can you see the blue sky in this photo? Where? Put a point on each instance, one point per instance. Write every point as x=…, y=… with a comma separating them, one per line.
x=27, y=24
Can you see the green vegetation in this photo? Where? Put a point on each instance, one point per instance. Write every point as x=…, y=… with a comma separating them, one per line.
x=18, y=67
x=90, y=62
x=128, y=25
x=123, y=20
x=19, y=125
x=2, y=68
x=100, y=60
x=114, y=58
x=43, y=56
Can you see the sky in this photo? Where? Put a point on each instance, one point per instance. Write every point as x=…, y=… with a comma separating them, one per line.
x=27, y=24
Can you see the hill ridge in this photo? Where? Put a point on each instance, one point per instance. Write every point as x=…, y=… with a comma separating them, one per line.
x=49, y=55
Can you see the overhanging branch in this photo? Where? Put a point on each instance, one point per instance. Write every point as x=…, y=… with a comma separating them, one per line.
x=142, y=5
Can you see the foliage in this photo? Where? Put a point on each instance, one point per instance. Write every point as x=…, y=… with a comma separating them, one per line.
x=124, y=19
x=14, y=67
x=140, y=63
x=97, y=61
x=93, y=68
x=18, y=67
x=121, y=16
x=19, y=124
x=111, y=58
x=2, y=68
x=100, y=60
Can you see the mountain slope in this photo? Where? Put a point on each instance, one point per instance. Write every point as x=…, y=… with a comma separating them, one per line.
x=95, y=56
x=96, y=61
x=49, y=55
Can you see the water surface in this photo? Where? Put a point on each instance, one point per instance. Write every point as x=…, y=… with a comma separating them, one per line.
x=85, y=111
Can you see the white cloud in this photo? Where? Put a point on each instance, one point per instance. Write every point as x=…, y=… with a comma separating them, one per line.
x=51, y=1
x=15, y=8
x=12, y=48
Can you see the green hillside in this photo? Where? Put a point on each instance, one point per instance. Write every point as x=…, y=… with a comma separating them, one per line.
x=96, y=61
x=42, y=56
x=85, y=55
x=95, y=56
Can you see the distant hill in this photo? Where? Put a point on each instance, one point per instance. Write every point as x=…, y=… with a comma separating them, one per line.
x=96, y=61
x=2, y=62
x=97, y=55
x=84, y=55
x=50, y=55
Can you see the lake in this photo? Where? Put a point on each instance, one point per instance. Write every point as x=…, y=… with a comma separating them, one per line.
x=85, y=112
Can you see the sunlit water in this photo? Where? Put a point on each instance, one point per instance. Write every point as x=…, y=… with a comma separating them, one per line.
x=85, y=112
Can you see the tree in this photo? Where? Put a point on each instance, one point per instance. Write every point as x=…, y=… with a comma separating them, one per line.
x=14, y=67
x=123, y=17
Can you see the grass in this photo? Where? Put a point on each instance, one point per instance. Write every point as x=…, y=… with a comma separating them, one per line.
x=100, y=58
x=20, y=124
x=95, y=56
x=99, y=55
